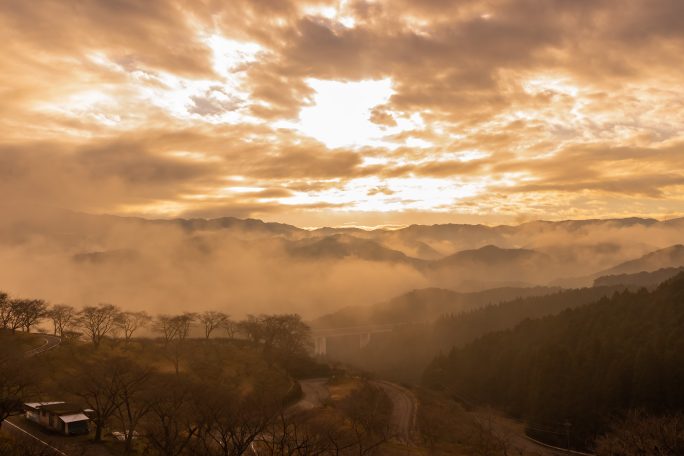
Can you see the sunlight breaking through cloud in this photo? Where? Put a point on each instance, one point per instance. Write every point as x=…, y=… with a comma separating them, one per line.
x=308, y=100
x=339, y=114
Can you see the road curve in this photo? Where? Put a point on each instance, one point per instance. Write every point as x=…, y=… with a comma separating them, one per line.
x=405, y=407
x=49, y=342
x=512, y=432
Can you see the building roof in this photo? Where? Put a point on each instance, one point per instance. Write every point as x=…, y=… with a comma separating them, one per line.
x=63, y=408
x=37, y=405
x=74, y=417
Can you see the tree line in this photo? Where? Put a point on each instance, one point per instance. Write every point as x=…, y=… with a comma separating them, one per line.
x=224, y=396
x=20, y=313
x=229, y=401
x=97, y=322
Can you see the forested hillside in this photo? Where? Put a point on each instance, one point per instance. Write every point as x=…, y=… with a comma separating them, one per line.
x=404, y=353
x=424, y=305
x=579, y=369
x=639, y=279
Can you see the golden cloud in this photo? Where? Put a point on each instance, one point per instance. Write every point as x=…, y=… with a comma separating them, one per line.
x=543, y=108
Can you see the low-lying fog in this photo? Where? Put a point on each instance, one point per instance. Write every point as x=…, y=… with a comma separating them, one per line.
x=240, y=267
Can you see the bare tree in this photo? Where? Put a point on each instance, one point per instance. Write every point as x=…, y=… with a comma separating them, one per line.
x=165, y=325
x=231, y=328
x=174, y=327
x=170, y=426
x=130, y=322
x=16, y=379
x=105, y=384
x=15, y=320
x=284, y=334
x=212, y=320
x=33, y=312
x=184, y=323
x=368, y=409
x=229, y=422
x=6, y=314
x=95, y=383
x=175, y=330
x=487, y=439
x=302, y=434
x=252, y=328
x=62, y=316
x=640, y=434
x=98, y=321
x=133, y=389
x=22, y=313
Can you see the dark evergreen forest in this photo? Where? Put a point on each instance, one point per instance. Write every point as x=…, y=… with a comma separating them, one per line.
x=572, y=374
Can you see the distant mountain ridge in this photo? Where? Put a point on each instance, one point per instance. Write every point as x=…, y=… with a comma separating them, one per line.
x=646, y=268
x=424, y=305
x=435, y=230
x=488, y=255
x=639, y=279
x=340, y=246
x=670, y=257
x=463, y=257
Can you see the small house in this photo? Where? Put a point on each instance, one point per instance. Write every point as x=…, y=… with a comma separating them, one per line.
x=32, y=410
x=67, y=419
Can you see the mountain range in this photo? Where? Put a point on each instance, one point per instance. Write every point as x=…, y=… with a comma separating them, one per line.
x=251, y=264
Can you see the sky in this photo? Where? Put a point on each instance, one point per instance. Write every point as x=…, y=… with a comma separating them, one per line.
x=364, y=113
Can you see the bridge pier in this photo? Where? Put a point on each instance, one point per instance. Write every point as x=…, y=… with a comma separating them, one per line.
x=320, y=345
x=364, y=339
x=364, y=333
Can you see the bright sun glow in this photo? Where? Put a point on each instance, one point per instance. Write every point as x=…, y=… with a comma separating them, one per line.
x=395, y=194
x=338, y=13
x=230, y=55
x=341, y=111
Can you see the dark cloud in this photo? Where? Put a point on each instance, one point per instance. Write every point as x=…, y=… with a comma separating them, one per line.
x=295, y=163
x=640, y=171
x=154, y=33
x=91, y=177
x=381, y=117
x=213, y=103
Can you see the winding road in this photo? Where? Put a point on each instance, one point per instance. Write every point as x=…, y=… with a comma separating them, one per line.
x=49, y=342
x=404, y=410
x=404, y=405
x=513, y=433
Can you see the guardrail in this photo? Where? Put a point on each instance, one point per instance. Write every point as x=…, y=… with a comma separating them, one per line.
x=564, y=450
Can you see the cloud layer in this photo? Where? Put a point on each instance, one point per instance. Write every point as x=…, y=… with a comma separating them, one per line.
x=494, y=111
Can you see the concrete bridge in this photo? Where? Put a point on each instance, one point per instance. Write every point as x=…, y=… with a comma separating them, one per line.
x=364, y=333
